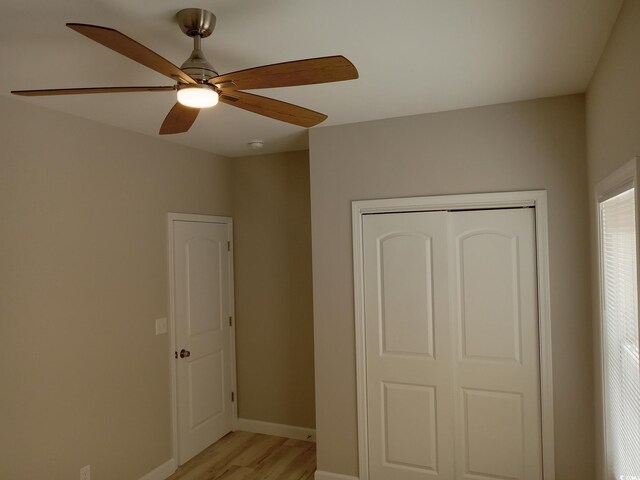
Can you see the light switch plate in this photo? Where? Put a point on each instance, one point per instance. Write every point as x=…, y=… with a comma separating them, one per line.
x=161, y=325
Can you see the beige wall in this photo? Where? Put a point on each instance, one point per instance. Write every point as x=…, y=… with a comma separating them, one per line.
x=83, y=378
x=613, y=136
x=521, y=146
x=272, y=236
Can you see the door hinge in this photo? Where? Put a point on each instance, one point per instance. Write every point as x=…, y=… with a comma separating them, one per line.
x=233, y=397
x=231, y=321
x=175, y=354
x=228, y=245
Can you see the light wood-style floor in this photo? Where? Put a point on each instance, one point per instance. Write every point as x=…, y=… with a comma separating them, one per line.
x=251, y=456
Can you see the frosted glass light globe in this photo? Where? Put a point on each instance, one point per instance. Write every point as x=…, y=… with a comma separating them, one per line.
x=197, y=96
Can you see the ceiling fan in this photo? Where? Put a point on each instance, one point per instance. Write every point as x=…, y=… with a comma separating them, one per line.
x=198, y=85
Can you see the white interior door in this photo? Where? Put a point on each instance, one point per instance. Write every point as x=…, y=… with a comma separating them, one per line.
x=451, y=335
x=408, y=349
x=496, y=367
x=202, y=313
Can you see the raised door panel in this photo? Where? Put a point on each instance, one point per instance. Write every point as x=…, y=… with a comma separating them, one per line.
x=204, y=289
x=205, y=374
x=493, y=434
x=406, y=278
x=410, y=427
x=489, y=296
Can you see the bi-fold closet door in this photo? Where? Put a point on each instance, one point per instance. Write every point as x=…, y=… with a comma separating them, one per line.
x=451, y=340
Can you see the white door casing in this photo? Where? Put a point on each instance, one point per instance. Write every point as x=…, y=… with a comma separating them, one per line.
x=499, y=409
x=201, y=303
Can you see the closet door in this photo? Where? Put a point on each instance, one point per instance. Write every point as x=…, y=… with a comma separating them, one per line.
x=408, y=346
x=496, y=363
x=451, y=335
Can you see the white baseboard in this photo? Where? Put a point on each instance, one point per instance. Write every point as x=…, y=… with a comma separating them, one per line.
x=276, y=429
x=162, y=472
x=320, y=475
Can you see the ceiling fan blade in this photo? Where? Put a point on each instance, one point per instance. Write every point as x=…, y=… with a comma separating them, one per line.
x=179, y=119
x=272, y=108
x=128, y=47
x=289, y=74
x=80, y=91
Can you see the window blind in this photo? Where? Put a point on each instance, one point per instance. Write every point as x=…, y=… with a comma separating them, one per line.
x=620, y=336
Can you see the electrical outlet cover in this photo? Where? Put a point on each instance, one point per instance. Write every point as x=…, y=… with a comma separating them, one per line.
x=85, y=472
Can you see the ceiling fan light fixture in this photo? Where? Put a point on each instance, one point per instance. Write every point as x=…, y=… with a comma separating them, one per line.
x=197, y=96
x=199, y=84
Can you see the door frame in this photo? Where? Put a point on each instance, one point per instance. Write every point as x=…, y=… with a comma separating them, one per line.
x=188, y=217
x=475, y=201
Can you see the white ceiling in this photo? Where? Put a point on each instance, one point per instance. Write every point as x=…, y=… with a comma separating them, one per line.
x=414, y=56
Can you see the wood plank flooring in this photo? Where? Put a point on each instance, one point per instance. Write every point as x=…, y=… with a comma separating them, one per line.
x=251, y=456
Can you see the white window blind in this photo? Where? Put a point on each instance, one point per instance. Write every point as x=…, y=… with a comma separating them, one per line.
x=620, y=335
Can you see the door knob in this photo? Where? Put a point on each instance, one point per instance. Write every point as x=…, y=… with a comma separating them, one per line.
x=184, y=353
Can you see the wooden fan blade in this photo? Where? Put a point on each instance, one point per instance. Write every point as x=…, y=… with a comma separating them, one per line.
x=128, y=47
x=288, y=74
x=179, y=119
x=81, y=91
x=272, y=108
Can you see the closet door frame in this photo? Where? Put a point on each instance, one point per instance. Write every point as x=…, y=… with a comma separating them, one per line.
x=479, y=201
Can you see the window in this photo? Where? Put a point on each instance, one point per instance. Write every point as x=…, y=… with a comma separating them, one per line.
x=619, y=327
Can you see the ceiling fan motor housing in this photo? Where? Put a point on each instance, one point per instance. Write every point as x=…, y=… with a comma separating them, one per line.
x=198, y=24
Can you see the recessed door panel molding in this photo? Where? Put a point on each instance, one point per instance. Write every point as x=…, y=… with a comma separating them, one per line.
x=406, y=293
x=202, y=333
x=204, y=257
x=410, y=440
x=494, y=441
x=205, y=373
x=453, y=338
x=489, y=295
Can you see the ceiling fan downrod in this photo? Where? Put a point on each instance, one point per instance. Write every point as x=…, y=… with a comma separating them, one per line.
x=198, y=24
